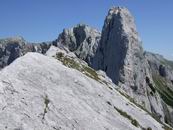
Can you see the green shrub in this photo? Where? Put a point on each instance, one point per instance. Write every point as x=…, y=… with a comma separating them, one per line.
x=91, y=72
x=135, y=123
x=46, y=101
x=123, y=113
x=59, y=55
x=167, y=128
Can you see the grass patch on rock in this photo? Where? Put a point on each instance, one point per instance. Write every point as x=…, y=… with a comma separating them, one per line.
x=167, y=128
x=72, y=63
x=124, y=114
x=143, y=108
x=165, y=92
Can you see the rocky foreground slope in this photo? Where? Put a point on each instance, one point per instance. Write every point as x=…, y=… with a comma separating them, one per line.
x=144, y=78
x=46, y=95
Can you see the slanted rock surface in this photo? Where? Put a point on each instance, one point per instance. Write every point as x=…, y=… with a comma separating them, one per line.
x=38, y=92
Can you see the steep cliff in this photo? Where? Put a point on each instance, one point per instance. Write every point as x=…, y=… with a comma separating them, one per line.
x=121, y=56
x=162, y=73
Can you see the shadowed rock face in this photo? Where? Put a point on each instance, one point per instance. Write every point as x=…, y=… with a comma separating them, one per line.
x=159, y=65
x=162, y=72
x=82, y=40
x=120, y=53
x=12, y=48
x=121, y=56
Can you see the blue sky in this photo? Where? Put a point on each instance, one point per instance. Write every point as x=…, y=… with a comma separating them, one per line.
x=43, y=20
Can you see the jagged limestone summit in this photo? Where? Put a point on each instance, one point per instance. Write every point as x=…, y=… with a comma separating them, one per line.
x=119, y=85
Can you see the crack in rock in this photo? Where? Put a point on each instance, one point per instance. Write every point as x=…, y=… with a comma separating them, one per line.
x=46, y=102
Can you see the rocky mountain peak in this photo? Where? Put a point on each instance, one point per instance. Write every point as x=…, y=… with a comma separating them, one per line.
x=14, y=47
x=80, y=39
x=13, y=40
x=75, y=36
x=16, y=38
x=119, y=45
x=119, y=11
x=122, y=16
x=121, y=56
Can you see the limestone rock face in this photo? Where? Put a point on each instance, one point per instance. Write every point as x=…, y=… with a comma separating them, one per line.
x=120, y=50
x=82, y=40
x=159, y=65
x=12, y=48
x=162, y=73
x=120, y=53
x=121, y=56
x=40, y=93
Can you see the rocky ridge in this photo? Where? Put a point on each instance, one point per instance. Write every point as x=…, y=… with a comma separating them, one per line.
x=118, y=52
x=29, y=95
x=162, y=73
x=14, y=47
x=129, y=69
x=82, y=40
